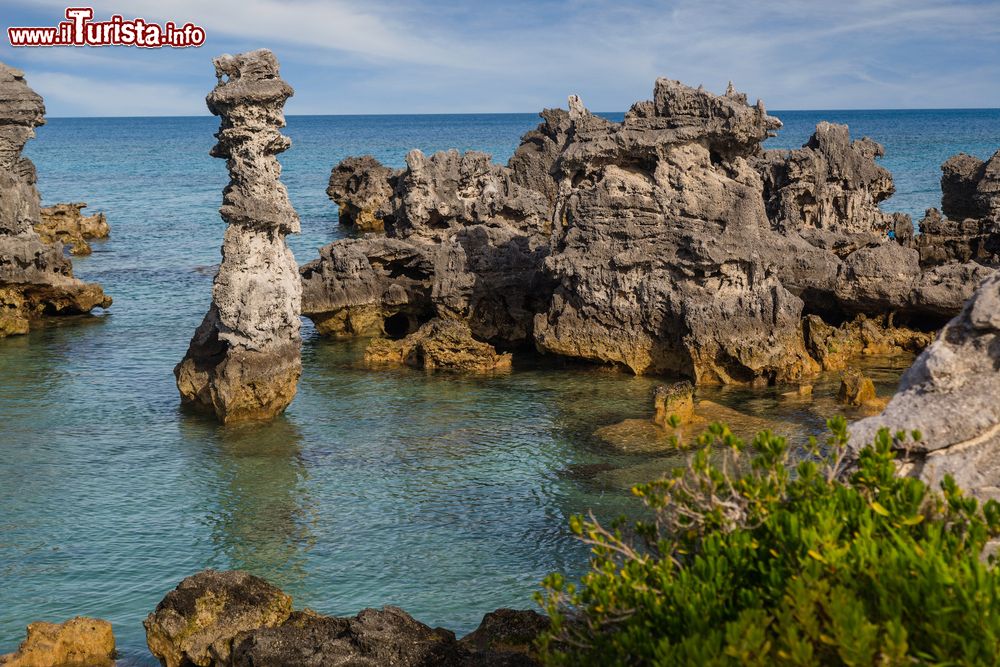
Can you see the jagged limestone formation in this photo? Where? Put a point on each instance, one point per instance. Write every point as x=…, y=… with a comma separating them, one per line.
x=439, y=344
x=67, y=224
x=970, y=198
x=245, y=359
x=951, y=395
x=35, y=278
x=668, y=243
x=361, y=188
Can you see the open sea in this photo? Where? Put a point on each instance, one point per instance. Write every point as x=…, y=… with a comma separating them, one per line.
x=445, y=495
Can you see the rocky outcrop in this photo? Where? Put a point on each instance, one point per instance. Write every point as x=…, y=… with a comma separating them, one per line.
x=67, y=224
x=949, y=396
x=79, y=642
x=197, y=622
x=233, y=619
x=439, y=345
x=970, y=198
x=36, y=280
x=507, y=631
x=831, y=183
x=834, y=347
x=361, y=187
x=668, y=243
x=245, y=359
x=463, y=240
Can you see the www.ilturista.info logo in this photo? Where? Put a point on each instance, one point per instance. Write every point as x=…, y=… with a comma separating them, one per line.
x=80, y=30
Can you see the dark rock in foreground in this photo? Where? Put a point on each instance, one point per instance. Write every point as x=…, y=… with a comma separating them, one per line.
x=233, y=619
x=197, y=622
x=668, y=243
x=36, y=280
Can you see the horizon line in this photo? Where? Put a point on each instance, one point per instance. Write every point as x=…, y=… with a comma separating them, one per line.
x=525, y=113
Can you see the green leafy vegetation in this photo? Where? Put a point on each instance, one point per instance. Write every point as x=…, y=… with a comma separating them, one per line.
x=748, y=558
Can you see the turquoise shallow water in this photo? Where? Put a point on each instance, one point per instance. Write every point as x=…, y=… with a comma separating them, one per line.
x=445, y=495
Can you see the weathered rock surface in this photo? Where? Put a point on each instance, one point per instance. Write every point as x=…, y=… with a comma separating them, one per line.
x=361, y=187
x=669, y=243
x=197, y=622
x=233, y=619
x=439, y=344
x=244, y=361
x=858, y=391
x=834, y=347
x=375, y=637
x=67, y=223
x=79, y=642
x=35, y=278
x=950, y=395
x=507, y=631
x=673, y=402
x=970, y=198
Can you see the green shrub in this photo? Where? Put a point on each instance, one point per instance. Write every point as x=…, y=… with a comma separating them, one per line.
x=748, y=559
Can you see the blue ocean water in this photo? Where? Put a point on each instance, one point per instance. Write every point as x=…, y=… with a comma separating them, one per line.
x=445, y=495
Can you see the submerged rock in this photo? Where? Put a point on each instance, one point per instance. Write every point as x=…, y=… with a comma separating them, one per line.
x=245, y=359
x=67, y=223
x=673, y=402
x=197, y=622
x=858, y=391
x=79, y=642
x=950, y=396
x=439, y=344
x=35, y=278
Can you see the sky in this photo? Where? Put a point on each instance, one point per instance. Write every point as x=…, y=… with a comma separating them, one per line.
x=430, y=56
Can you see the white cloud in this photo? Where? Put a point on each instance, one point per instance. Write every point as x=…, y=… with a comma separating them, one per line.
x=91, y=96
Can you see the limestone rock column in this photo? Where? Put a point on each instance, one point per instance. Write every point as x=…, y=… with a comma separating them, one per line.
x=244, y=360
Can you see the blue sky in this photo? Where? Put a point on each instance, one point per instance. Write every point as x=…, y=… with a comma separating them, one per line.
x=429, y=56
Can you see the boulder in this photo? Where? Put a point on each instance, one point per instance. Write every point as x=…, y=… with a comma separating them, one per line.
x=244, y=360
x=79, y=642
x=439, y=344
x=198, y=622
x=36, y=280
x=857, y=390
x=673, y=401
x=67, y=224
x=949, y=395
x=373, y=638
x=508, y=636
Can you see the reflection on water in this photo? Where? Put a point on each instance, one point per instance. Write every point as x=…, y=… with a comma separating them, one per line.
x=262, y=520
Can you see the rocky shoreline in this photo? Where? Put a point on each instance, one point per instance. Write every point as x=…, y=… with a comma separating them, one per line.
x=670, y=243
x=36, y=279
x=235, y=619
